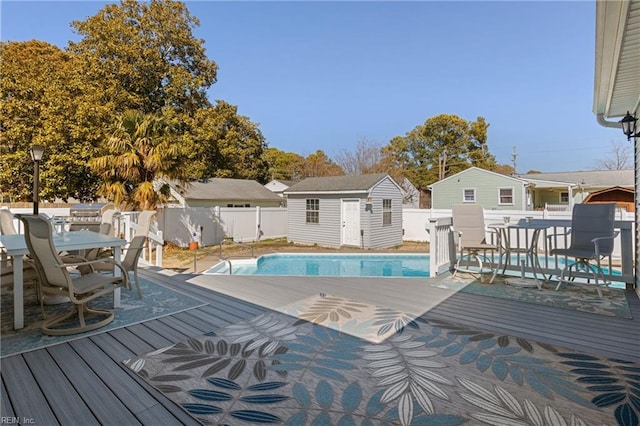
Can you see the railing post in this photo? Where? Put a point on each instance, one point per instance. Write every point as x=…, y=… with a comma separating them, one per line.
x=433, y=247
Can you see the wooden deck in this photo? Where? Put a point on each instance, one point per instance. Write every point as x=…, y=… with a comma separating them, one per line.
x=83, y=382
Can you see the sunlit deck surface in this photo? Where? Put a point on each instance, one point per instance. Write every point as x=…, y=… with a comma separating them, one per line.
x=83, y=382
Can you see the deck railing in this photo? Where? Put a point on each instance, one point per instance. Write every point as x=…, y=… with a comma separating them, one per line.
x=619, y=266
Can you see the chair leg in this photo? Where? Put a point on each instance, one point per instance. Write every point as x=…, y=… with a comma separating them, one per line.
x=135, y=278
x=48, y=326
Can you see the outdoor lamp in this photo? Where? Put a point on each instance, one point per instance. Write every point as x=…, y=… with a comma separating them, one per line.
x=629, y=126
x=37, y=152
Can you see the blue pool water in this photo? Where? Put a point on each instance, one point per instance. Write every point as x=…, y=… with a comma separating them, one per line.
x=330, y=265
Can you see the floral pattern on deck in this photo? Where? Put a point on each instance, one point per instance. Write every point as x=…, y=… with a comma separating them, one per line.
x=278, y=369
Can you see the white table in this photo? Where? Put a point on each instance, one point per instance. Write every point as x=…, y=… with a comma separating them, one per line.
x=530, y=251
x=16, y=247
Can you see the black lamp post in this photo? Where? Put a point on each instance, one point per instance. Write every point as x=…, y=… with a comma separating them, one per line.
x=629, y=126
x=37, y=152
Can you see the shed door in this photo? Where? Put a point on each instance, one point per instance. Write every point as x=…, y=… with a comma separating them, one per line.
x=351, y=222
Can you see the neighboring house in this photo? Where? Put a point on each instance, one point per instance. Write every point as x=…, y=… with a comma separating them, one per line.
x=535, y=191
x=478, y=186
x=569, y=188
x=410, y=194
x=364, y=211
x=223, y=192
x=278, y=186
x=195, y=212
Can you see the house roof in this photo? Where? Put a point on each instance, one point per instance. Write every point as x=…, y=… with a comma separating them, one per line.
x=482, y=170
x=225, y=189
x=589, y=179
x=359, y=183
x=617, y=61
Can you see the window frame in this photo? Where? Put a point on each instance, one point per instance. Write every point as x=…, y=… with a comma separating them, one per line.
x=510, y=188
x=464, y=195
x=560, y=197
x=387, y=212
x=312, y=211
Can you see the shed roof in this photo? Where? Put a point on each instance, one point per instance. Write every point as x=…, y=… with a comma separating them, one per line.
x=359, y=183
x=225, y=189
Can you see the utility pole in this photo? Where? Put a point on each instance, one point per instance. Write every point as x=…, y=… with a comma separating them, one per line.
x=514, y=159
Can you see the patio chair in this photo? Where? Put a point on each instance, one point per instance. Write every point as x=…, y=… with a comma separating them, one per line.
x=7, y=227
x=134, y=249
x=592, y=234
x=55, y=280
x=470, y=234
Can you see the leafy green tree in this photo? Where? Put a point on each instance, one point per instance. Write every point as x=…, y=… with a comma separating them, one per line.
x=444, y=145
x=284, y=165
x=42, y=102
x=318, y=164
x=141, y=150
x=145, y=56
x=225, y=144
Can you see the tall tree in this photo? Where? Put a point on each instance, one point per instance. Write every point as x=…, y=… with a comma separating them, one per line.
x=365, y=158
x=226, y=144
x=141, y=150
x=442, y=146
x=43, y=102
x=319, y=164
x=284, y=165
x=145, y=56
x=619, y=158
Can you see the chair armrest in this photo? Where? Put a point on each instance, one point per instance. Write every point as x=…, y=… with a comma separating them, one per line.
x=596, y=241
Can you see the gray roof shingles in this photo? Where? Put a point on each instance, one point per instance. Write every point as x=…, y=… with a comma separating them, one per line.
x=592, y=178
x=337, y=183
x=226, y=189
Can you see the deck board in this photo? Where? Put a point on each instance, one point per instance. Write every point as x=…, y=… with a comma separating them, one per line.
x=65, y=401
x=85, y=379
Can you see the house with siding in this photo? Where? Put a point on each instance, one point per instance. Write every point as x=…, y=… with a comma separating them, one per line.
x=478, y=186
x=222, y=192
x=534, y=191
x=363, y=211
x=564, y=189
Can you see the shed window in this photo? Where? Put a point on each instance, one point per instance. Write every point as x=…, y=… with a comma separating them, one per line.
x=386, y=212
x=469, y=195
x=505, y=196
x=313, y=210
x=564, y=197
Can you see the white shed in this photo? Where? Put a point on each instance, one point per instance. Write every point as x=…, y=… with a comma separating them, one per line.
x=363, y=211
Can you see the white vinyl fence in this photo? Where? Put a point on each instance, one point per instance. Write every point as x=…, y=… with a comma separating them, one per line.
x=211, y=225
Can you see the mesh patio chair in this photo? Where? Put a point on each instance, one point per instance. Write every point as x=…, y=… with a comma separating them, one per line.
x=134, y=249
x=470, y=234
x=592, y=234
x=55, y=280
x=7, y=227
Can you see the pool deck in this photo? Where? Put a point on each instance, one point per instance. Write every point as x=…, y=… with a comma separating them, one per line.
x=84, y=382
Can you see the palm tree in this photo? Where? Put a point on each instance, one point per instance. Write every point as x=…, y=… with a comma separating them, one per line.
x=141, y=149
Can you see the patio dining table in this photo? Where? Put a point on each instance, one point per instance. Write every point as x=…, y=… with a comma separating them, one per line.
x=530, y=250
x=16, y=247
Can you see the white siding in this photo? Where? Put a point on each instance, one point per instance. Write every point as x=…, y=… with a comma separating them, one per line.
x=325, y=233
x=375, y=234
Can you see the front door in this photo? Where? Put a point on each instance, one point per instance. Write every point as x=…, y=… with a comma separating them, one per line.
x=351, y=222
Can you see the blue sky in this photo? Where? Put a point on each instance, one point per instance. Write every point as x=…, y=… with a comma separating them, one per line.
x=324, y=75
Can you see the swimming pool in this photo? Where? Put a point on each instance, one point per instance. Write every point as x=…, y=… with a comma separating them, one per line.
x=329, y=265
